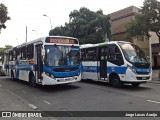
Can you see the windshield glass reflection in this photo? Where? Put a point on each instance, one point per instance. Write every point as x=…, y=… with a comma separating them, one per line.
x=133, y=53
x=61, y=55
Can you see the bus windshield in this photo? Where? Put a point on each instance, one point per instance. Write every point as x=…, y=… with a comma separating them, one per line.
x=61, y=55
x=133, y=53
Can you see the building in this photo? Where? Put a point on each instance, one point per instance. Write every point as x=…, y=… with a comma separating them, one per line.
x=155, y=50
x=119, y=20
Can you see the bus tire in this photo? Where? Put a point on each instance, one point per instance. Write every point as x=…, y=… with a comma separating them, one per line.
x=12, y=76
x=115, y=81
x=136, y=84
x=32, y=80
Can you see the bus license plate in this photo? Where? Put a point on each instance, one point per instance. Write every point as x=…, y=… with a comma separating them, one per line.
x=67, y=79
x=144, y=78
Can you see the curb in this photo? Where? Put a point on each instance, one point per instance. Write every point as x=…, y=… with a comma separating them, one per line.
x=155, y=81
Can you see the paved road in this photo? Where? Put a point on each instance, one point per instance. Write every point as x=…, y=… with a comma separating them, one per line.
x=82, y=96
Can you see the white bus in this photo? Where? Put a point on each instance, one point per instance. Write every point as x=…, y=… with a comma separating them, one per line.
x=47, y=61
x=115, y=62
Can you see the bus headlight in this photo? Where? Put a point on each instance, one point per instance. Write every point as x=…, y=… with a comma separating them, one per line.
x=48, y=74
x=150, y=70
x=52, y=76
x=131, y=68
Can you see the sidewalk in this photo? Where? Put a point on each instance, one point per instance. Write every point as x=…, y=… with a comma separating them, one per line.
x=155, y=78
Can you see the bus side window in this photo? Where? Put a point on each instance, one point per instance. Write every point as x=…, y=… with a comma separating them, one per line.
x=18, y=54
x=90, y=54
x=118, y=54
x=111, y=55
x=30, y=51
x=14, y=55
x=23, y=53
x=10, y=55
x=84, y=55
x=115, y=55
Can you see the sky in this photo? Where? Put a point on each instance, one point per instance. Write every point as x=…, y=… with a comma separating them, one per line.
x=30, y=13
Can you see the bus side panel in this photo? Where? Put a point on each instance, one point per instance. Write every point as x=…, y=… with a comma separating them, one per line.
x=23, y=75
x=90, y=70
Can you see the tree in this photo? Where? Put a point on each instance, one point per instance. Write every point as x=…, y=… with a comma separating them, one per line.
x=137, y=27
x=3, y=16
x=148, y=20
x=151, y=11
x=86, y=25
x=3, y=49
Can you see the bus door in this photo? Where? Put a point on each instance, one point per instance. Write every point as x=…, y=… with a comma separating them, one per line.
x=103, y=63
x=39, y=61
x=7, y=63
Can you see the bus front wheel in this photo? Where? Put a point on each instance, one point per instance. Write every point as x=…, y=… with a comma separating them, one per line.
x=115, y=81
x=32, y=80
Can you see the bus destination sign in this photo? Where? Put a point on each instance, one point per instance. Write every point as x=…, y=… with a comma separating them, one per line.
x=62, y=40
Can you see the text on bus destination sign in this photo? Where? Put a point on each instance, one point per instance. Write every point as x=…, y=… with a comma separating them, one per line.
x=63, y=41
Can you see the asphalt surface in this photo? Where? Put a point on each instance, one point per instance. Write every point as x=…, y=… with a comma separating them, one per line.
x=81, y=96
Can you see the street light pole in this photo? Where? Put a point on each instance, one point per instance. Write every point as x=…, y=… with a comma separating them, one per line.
x=49, y=20
x=36, y=33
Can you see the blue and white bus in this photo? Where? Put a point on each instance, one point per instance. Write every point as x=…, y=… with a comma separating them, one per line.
x=116, y=62
x=47, y=61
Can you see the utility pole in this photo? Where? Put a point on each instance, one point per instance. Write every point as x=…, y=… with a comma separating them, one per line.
x=49, y=20
x=26, y=33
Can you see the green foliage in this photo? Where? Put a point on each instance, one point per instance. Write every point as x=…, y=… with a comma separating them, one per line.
x=137, y=27
x=86, y=25
x=3, y=16
x=3, y=49
x=146, y=21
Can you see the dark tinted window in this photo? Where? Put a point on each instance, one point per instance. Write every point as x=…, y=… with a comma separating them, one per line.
x=114, y=55
x=23, y=53
x=88, y=54
x=30, y=51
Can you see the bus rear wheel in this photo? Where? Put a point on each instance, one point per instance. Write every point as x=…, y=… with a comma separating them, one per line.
x=32, y=80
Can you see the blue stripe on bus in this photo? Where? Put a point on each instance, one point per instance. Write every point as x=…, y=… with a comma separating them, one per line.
x=119, y=70
x=110, y=69
x=61, y=74
x=142, y=70
x=27, y=67
x=24, y=67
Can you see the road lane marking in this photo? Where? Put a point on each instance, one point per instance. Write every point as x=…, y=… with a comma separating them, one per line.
x=153, y=101
x=47, y=102
x=33, y=106
x=20, y=98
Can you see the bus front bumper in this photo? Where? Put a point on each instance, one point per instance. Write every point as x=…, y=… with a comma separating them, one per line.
x=132, y=77
x=55, y=81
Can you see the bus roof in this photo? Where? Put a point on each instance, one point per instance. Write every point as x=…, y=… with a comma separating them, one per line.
x=42, y=39
x=102, y=44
